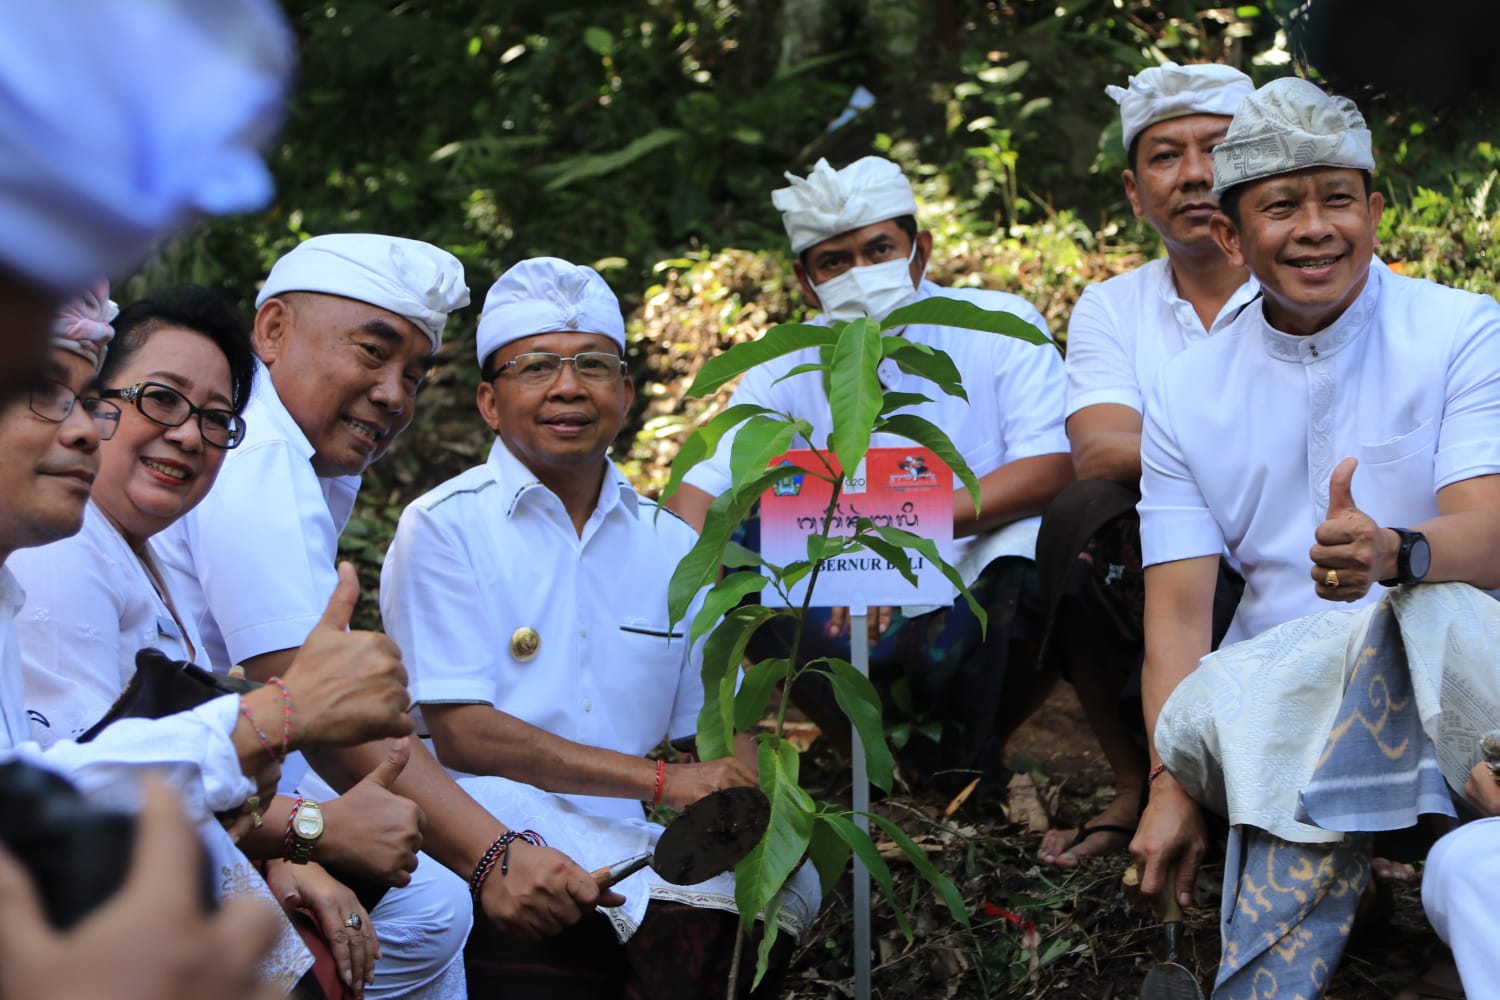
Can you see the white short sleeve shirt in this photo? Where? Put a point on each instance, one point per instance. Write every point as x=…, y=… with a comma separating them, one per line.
x=492, y=551
x=90, y=606
x=253, y=565
x=1124, y=330
x=1014, y=411
x=1243, y=431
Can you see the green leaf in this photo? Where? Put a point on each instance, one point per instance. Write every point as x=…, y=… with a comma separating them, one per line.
x=906, y=539
x=599, y=39
x=766, y=868
x=722, y=654
x=827, y=852
x=930, y=436
x=939, y=310
x=578, y=168
x=861, y=703
x=925, y=362
x=920, y=862
x=755, y=692
x=737, y=556
x=762, y=439
x=894, y=401
x=722, y=596
x=820, y=547
x=768, y=939
x=864, y=849
x=703, y=442
x=807, y=369
x=854, y=391
x=779, y=340
x=893, y=554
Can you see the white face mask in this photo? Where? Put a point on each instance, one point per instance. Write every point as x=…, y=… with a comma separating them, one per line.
x=875, y=290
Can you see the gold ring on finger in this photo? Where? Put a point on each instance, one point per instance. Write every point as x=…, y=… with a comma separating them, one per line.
x=1331, y=579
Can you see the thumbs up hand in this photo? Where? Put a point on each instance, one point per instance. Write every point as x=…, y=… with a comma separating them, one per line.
x=372, y=831
x=346, y=687
x=1352, y=551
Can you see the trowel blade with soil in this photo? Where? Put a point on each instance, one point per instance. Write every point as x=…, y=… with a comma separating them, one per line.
x=1170, y=980
x=708, y=838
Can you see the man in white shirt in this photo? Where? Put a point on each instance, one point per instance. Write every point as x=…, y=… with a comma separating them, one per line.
x=345, y=328
x=1350, y=439
x=1120, y=334
x=531, y=594
x=860, y=254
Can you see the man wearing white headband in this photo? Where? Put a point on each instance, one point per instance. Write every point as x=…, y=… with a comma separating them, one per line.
x=1120, y=334
x=546, y=699
x=100, y=156
x=346, y=328
x=1350, y=440
x=859, y=253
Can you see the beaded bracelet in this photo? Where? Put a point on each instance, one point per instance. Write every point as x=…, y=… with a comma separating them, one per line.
x=500, y=851
x=286, y=838
x=286, y=715
x=661, y=772
x=260, y=733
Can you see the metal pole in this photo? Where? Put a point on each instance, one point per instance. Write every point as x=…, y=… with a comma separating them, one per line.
x=859, y=656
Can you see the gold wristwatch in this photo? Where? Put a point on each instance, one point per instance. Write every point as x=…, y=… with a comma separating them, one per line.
x=307, y=828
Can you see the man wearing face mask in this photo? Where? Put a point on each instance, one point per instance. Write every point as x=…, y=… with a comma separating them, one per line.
x=859, y=253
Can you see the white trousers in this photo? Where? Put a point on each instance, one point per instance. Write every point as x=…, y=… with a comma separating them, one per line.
x=1461, y=893
x=422, y=928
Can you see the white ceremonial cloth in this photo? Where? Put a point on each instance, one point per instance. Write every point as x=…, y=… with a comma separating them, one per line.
x=90, y=606
x=253, y=565
x=1014, y=410
x=1244, y=731
x=493, y=550
x=1124, y=330
x=1407, y=380
x=1461, y=894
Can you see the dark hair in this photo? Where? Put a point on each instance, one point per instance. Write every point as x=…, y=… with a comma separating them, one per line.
x=1134, y=152
x=1229, y=201
x=191, y=307
x=907, y=224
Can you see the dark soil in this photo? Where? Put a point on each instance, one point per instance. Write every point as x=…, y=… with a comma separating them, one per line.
x=1037, y=931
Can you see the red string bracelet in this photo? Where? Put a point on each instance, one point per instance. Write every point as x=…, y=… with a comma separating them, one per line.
x=260, y=733
x=661, y=771
x=1156, y=772
x=286, y=715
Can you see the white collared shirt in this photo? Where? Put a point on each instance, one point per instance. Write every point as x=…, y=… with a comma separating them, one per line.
x=1123, y=330
x=90, y=606
x=14, y=727
x=1243, y=430
x=253, y=565
x=1015, y=389
x=492, y=551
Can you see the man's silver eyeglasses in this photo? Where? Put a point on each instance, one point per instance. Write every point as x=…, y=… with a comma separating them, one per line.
x=164, y=405
x=54, y=401
x=543, y=367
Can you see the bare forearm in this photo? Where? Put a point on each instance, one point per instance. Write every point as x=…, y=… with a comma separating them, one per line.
x=484, y=740
x=1111, y=455
x=1018, y=489
x=1179, y=631
x=1465, y=548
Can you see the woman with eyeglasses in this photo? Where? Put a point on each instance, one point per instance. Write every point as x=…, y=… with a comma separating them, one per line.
x=173, y=384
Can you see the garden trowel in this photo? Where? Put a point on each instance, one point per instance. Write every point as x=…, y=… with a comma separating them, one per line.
x=1170, y=980
x=708, y=838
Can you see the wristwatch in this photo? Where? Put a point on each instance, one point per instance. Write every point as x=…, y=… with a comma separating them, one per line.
x=1413, y=560
x=306, y=829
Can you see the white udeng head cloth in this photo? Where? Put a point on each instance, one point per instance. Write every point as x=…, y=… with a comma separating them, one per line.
x=82, y=324
x=830, y=202
x=547, y=295
x=1171, y=91
x=121, y=121
x=407, y=277
x=1291, y=124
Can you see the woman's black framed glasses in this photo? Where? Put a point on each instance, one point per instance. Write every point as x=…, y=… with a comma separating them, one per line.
x=164, y=405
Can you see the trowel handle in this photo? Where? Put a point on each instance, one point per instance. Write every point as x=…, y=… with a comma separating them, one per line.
x=1171, y=912
x=607, y=876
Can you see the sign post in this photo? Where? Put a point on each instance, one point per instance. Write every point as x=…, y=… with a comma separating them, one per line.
x=907, y=488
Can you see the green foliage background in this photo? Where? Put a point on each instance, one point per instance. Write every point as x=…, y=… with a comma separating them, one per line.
x=644, y=137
